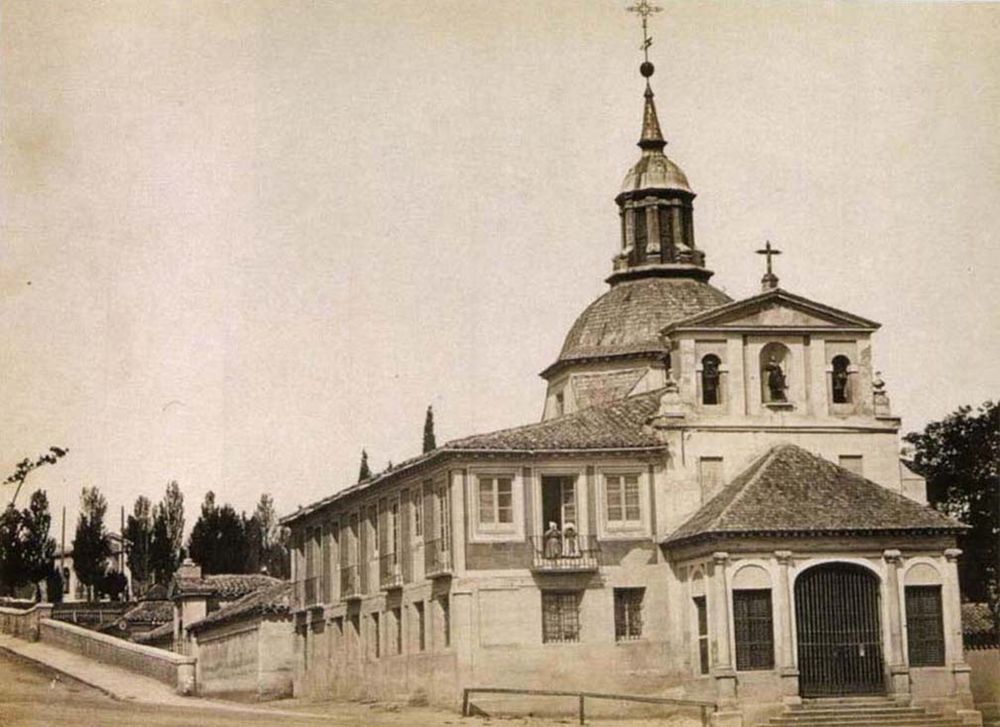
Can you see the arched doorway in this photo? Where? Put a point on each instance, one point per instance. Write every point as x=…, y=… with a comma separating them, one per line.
x=839, y=631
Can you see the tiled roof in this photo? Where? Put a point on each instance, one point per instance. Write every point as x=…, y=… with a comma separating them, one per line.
x=275, y=599
x=159, y=633
x=628, y=318
x=157, y=612
x=618, y=425
x=791, y=491
x=225, y=586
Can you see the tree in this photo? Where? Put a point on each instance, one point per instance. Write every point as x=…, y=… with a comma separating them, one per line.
x=430, y=441
x=365, y=472
x=959, y=457
x=139, y=534
x=166, y=545
x=26, y=550
x=266, y=546
x=218, y=540
x=12, y=566
x=25, y=467
x=91, y=547
x=39, y=548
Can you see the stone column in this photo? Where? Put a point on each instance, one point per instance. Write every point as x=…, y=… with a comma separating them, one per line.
x=787, y=669
x=951, y=607
x=899, y=672
x=653, y=229
x=722, y=669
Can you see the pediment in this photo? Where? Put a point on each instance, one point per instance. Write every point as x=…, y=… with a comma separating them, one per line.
x=774, y=309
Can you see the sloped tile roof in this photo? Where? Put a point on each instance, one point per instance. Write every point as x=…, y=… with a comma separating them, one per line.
x=159, y=633
x=225, y=586
x=275, y=599
x=791, y=491
x=618, y=425
x=157, y=612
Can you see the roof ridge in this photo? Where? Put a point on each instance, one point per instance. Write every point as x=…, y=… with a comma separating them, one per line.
x=761, y=464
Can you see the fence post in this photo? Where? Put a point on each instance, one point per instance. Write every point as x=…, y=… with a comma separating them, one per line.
x=465, y=702
x=704, y=716
x=581, y=709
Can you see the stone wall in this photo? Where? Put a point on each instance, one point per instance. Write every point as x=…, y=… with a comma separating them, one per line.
x=251, y=658
x=22, y=623
x=167, y=667
x=985, y=681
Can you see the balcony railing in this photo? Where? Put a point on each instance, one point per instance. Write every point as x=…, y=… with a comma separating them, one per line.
x=437, y=557
x=307, y=592
x=560, y=553
x=350, y=583
x=390, y=575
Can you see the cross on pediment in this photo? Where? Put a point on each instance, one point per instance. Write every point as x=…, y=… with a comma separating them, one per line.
x=770, y=280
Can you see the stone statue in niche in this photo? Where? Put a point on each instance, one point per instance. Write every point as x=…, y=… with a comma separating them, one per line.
x=776, y=384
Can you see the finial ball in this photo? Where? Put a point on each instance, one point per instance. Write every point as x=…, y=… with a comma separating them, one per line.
x=646, y=69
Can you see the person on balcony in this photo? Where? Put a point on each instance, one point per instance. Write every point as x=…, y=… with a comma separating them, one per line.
x=570, y=547
x=552, y=541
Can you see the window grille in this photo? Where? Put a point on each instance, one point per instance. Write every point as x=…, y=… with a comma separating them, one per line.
x=445, y=605
x=560, y=616
x=753, y=622
x=628, y=613
x=376, y=645
x=701, y=610
x=924, y=626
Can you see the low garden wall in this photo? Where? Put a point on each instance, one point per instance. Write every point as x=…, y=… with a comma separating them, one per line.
x=165, y=666
x=23, y=622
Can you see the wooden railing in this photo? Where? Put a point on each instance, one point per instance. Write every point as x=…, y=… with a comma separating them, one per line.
x=389, y=573
x=703, y=705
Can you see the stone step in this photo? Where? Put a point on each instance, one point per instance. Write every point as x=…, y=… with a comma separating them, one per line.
x=847, y=702
x=917, y=721
x=859, y=715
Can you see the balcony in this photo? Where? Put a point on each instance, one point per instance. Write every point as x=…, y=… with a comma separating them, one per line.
x=350, y=583
x=437, y=558
x=307, y=592
x=390, y=575
x=558, y=553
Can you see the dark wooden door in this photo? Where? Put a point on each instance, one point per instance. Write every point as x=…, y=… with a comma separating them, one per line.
x=839, y=631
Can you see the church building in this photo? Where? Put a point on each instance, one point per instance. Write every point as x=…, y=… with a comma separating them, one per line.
x=712, y=508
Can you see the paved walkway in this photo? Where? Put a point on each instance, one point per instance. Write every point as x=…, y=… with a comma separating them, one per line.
x=122, y=684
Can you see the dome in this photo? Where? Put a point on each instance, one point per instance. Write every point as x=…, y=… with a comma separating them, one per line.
x=629, y=317
x=655, y=170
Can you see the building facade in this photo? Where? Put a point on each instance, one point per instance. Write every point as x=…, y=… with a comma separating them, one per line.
x=712, y=508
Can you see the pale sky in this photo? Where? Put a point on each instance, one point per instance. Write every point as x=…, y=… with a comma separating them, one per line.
x=243, y=240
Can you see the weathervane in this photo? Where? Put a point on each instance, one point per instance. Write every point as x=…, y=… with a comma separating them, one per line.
x=770, y=280
x=644, y=10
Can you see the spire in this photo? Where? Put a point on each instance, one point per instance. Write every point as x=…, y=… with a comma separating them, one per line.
x=652, y=137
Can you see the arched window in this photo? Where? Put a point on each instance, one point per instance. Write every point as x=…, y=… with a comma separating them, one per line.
x=774, y=374
x=710, y=377
x=841, y=380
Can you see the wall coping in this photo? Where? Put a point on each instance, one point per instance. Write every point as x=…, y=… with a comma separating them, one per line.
x=22, y=611
x=117, y=643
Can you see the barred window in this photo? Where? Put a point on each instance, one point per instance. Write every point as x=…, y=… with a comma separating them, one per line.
x=622, y=495
x=628, y=613
x=376, y=643
x=397, y=629
x=560, y=616
x=753, y=623
x=418, y=609
x=924, y=626
x=701, y=610
x=445, y=605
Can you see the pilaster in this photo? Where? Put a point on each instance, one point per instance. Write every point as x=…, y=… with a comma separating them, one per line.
x=786, y=628
x=899, y=672
x=722, y=668
x=952, y=615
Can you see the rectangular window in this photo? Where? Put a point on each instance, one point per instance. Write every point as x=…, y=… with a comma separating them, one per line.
x=397, y=629
x=701, y=610
x=444, y=606
x=753, y=623
x=622, y=499
x=376, y=643
x=852, y=463
x=418, y=611
x=709, y=476
x=628, y=613
x=560, y=616
x=373, y=528
x=496, y=500
x=924, y=626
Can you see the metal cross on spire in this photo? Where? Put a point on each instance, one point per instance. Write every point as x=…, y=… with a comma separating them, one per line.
x=644, y=10
x=770, y=280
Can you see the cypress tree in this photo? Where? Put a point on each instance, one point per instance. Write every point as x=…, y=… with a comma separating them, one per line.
x=430, y=442
x=365, y=472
